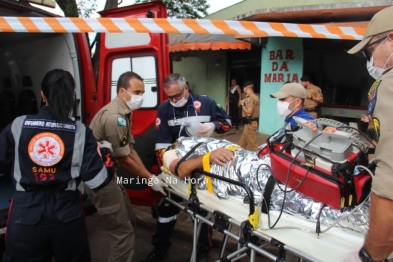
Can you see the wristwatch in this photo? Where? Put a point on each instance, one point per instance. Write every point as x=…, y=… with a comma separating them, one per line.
x=364, y=256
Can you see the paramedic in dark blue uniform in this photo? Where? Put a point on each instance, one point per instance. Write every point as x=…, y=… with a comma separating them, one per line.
x=48, y=155
x=291, y=100
x=182, y=107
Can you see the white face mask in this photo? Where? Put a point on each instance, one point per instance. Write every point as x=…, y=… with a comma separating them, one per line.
x=375, y=71
x=179, y=103
x=135, y=102
x=283, y=108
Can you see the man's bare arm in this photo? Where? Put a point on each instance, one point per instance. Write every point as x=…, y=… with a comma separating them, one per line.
x=317, y=96
x=379, y=239
x=219, y=156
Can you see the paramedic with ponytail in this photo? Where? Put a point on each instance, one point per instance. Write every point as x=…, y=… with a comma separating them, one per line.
x=377, y=48
x=47, y=156
x=290, y=103
x=174, y=118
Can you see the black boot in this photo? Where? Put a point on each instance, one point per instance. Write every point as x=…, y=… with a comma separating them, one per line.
x=157, y=254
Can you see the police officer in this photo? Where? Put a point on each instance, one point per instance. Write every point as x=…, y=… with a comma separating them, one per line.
x=377, y=47
x=113, y=123
x=313, y=96
x=48, y=154
x=181, y=109
x=291, y=100
x=250, y=107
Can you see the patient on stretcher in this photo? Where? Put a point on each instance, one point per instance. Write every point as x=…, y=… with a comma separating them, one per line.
x=229, y=160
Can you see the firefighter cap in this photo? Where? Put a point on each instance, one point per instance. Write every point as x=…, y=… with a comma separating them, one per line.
x=290, y=89
x=380, y=23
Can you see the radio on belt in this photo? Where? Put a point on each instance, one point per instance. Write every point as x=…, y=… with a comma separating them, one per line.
x=331, y=144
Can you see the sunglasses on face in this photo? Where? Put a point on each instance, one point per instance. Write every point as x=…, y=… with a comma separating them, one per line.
x=177, y=96
x=367, y=53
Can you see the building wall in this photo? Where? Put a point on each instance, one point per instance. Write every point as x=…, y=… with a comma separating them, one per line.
x=206, y=74
x=282, y=60
x=250, y=7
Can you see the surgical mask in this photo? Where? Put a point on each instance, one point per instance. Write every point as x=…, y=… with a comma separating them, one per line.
x=135, y=102
x=375, y=71
x=179, y=103
x=283, y=108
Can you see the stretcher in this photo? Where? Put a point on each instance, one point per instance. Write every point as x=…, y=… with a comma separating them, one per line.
x=292, y=234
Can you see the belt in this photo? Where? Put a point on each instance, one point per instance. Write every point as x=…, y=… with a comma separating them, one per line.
x=310, y=109
x=249, y=120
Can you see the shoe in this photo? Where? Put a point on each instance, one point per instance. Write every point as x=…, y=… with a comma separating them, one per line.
x=155, y=255
x=202, y=254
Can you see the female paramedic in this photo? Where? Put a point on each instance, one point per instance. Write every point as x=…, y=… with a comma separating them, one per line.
x=47, y=155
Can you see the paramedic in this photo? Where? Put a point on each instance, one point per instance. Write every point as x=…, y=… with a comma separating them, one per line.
x=173, y=115
x=290, y=102
x=48, y=154
x=377, y=47
x=113, y=123
x=313, y=96
x=250, y=109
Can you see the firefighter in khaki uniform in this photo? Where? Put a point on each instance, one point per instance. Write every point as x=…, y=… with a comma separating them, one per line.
x=313, y=96
x=112, y=123
x=377, y=47
x=250, y=108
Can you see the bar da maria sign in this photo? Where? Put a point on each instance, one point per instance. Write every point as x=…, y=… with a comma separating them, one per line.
x=280, y=62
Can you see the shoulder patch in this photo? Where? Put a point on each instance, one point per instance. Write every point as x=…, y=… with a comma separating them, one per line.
x=218, y=105
x=121, y=121
x=372, y=96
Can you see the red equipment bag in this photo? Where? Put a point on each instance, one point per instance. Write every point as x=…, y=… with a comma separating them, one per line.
x=338, y=187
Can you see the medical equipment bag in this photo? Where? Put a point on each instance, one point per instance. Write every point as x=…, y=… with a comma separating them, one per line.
x=320, y=164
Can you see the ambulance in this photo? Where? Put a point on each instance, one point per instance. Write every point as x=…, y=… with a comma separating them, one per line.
x=26, y=57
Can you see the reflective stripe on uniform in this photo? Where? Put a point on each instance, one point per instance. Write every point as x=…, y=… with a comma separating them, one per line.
x=77, y=156
x=162, y=145
x=16, y=130
x=98, y=179
x=167, y=219
x=188, y=119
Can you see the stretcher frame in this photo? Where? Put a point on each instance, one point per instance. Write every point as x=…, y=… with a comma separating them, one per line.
x=247, y=244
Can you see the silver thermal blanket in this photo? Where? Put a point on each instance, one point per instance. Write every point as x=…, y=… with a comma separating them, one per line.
x=254, y=172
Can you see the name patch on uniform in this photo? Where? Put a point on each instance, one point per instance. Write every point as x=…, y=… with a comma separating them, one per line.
x=121, y=121
x=372, y=96
x=45, y=124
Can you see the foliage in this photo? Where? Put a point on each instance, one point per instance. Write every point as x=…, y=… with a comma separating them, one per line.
x=184, y=8
x=82, y=8
x=86, y=7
